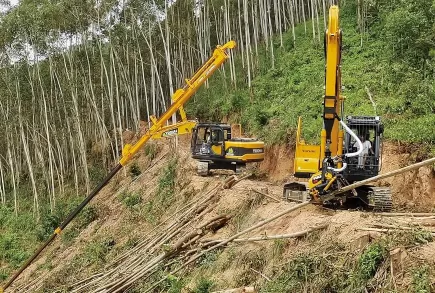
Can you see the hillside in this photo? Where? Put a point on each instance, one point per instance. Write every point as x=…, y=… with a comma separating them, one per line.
x=393, y=62
x=65, y=112
x=138, y=207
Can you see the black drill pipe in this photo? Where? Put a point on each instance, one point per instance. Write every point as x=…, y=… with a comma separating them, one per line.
x=65, y=223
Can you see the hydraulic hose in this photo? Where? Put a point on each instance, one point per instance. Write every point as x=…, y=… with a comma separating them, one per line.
x=349, y=155
x=360, y=146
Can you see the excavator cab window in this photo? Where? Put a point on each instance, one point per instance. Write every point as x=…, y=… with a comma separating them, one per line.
x=367, y=164
x=217, y=136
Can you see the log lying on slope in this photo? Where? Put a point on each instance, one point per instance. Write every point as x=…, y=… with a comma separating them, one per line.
x=238, y=290
x=268, y=237
x=406, y=214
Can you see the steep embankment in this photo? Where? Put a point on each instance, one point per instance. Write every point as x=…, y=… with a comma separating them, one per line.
x=142, y=204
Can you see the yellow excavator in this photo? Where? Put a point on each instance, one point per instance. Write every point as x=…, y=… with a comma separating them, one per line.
x=212, y=144
x=348, y=152
x=214, y=147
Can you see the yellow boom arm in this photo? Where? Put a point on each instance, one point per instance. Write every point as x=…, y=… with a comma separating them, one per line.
x=333, y=101
x=309, y=158
x=179, y=98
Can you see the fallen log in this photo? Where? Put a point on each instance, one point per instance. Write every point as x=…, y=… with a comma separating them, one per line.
x=384, y=230
x=397, y=227
x=271, y=237
x=406, y=214
x=238, y=290
x=232, y=180
x=265, y=194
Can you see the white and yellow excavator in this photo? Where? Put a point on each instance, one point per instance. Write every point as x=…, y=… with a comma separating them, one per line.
x=348, y=152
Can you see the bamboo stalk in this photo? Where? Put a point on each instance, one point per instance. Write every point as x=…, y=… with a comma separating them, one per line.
x=406, y=214
x=396, y=227
x=266, y=195
x=271, y=237
x=382, y=176
x=258, y=225
x=380, y=230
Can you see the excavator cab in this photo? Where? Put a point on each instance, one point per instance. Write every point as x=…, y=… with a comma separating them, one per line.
x=369, y=129
x=208, y=140
x=214, y=147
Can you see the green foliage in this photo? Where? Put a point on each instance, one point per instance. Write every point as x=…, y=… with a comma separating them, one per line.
x=279, y=246
x=422, y=236
x=370, y=260
x=164, y=197
x=151, y=150
x=396, y=63
x=50, y=221
x=204, y=285
x=421, y=282
x=130, y=199
x=293, y=275
x=135, y=170
x=328, y=270
x=96, y=251
x=166, y=185
x=10, y=251
x=174, y=284
x=209, y=258
x=96, y=174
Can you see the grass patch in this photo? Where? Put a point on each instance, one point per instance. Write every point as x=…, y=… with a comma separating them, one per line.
x=421, y=280
x=330, y=269
x=134, y=170
x=130, y=199
x=21, y=234
x=96, y=251
x=204, y=285
x=165, y=193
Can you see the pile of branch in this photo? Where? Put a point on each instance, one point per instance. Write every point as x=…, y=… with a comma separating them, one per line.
x=175, y=244
x=172, y=239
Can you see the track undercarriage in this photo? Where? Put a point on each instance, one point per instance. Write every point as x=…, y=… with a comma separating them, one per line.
x=371, y=198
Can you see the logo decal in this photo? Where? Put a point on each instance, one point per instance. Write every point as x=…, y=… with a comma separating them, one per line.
x=170, y=133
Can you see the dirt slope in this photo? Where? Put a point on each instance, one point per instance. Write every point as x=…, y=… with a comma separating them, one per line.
x=122, y=224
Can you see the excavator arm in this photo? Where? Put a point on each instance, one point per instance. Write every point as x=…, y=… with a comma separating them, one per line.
x=332, y=136
x=309, y=158
x=180, y=97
